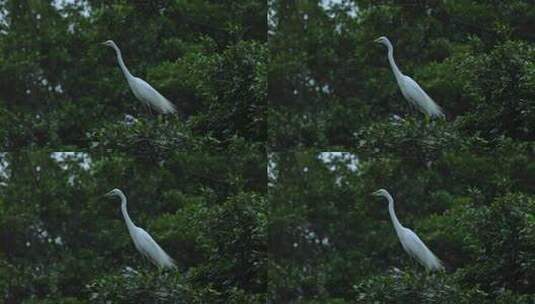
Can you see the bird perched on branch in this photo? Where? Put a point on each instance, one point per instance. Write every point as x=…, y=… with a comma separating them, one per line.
x=143, y=242
x=410, y=89
x=409, y=240
x=141, y=89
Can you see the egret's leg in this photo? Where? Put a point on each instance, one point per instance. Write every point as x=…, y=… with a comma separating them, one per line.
x=146, y=263
x=149, y=109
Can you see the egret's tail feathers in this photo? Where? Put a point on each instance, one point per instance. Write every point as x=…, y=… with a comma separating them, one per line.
x=437, y=113
x=169, y=263
x=433, y=110
x=432, y=263
x=165, y=107
x=166, y=261
x=161, y=259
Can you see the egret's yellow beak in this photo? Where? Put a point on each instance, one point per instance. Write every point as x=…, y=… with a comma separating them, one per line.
x=377, y=40
x=108, y=194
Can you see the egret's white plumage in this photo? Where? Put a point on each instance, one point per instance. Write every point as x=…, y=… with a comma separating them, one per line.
x=410, y=89
x=409, y=240
x=141, y=89
x=143, y=242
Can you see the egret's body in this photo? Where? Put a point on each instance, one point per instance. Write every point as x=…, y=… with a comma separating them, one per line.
x=409, y=240
x=143, y=242
x=141, y=89
x=410, y=89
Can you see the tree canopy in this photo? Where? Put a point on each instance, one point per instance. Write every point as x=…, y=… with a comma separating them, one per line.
x=289, y=117
x=61, y=89
x=463, y=184
x=64, y=242
x=331, y=241
x=330, y=83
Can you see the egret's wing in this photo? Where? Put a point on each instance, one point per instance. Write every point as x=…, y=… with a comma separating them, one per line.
x=417, y=249
x=419, y=97
x=148, y=94
x=150, y=249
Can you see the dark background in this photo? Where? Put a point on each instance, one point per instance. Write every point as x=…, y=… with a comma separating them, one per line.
x=61, y=89
x=61, y=241
x=331, y=241
x=463, y=184
x=331, y=86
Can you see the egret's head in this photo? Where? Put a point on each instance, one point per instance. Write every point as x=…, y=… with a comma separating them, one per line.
x=114, y=192
x=382, y=40
x=109, y=43
x=381, y=192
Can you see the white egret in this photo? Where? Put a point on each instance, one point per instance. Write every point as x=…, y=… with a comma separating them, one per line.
x=142, y=240
x=409, y=240
x=141, y=89
x=414, y=94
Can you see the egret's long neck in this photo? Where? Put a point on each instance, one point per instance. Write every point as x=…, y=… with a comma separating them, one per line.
x=126, y=72
x=393, y=216
x=393, y=65
x=129, y=224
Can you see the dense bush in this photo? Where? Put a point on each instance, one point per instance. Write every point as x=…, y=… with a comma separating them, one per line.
x=61, y=89
x=464, y=184
x=330, y=82
x=63, y=242
x=330, y=240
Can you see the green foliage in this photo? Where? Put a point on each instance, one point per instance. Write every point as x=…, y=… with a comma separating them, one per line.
x=63, y=242
x=500, y=86
x=330, y=81
x=330, y=240
x=311, y=232
x=463, y=184
x=149, y=136
x=61, y=89
x=410, y=287
x=505, y=257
